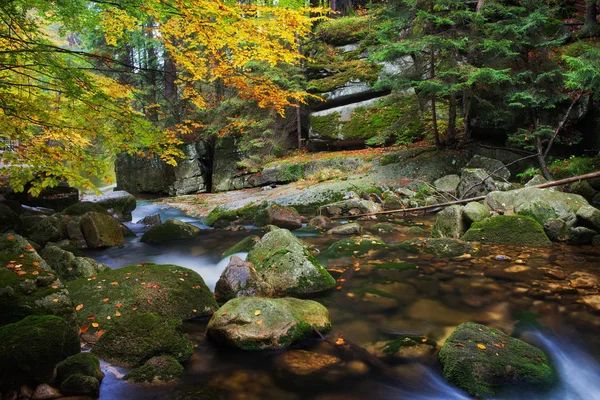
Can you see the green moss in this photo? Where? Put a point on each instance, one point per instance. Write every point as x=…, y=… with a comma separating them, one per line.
x=538, y=210
x=138, y=337
x=393, y=346
x=506, y=229
x=357, y=246
x=82, y=363
x=168, y=290
x=79, y=384
x=344, y=30
x=171, y=229
x=326, y=126
x=243, y=246
x=161, y=368
x=221, y=213
x=348, y=71
x=84, y=207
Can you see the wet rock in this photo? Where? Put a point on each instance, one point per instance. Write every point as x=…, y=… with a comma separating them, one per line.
x=240, y=279
x=449, y=223
x=83, y=207
x=504, y=229
x=32, y=347
x=49, y=229
x=321, y=222
x=101, y=230
x=282, y=217
x=167, y=290
x=75, y=234
x=243, y=246
x=482, y=361
x=435, y=312
x=172, y=229
x=349, y=208
x=80, y=384
x=310, y=369
x=157, y=369
x=581, y=235
x=286, y=264
x=137, y=337
x=492, y=166
x=442, y=247
x=538, y=210
x=70, y=267
x=516, y=273
x=356, y=246
x=119, y=202
x=45, y=392
x=583, y=280
x=404, y=348
x=352, y=228
x=593, y=302
x=83, y=363
x=416, y=230
x=475, y=212
x=475, y=182
x=447, y=184
x=589, y=216
x=150, y=220
x=556, y=229
x=9, y=220
x=562, y=203
x=252, y=323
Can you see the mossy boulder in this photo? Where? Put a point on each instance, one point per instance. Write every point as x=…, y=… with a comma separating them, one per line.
x=475, y=212
x=119, y=203
x=167, y=290
x=83, y=364
x=28, y=286
x=447, y=184
x=508, y=229
x=80, y=384
x=171, y=229
x=475, y=182
x=48, y=229
x=441, y=247
x=483, y=361
x=562, y=203
x=449, y=223
x=70, y=267
x=243, y=246
x=584, y=189
x=589, y=216
x=32, y=347
x=492, y=166
x=392, y=202
x=101, y=230
x=157, y=369
x=252, y=323
x=280, y=216
x=222, y=215
x=137, y=337
x=238, y=279
x=83, y=207
x=287, y=265
x=356, y=246
x=538, y=210
x=9, y=220
x=581, y=235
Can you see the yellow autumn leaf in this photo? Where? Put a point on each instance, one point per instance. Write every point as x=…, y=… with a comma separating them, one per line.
x=95, y=324
x=79, y=307
x=481, y=346
x=257, y=313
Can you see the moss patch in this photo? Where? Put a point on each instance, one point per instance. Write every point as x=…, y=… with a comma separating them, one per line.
x=344, y=30
x=356, y=246
x=157, y=369
x=243, y=246
x=84, y=207
x=506, y=229
x=82, y=363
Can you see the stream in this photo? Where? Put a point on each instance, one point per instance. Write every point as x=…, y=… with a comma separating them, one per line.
x=431, y=297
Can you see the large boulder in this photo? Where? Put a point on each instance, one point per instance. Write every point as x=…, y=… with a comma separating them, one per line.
x=70, y=267
x=157, y=369
x=137, y=337
x=101, y=230
x=28, y=286
x=494, y=167
x=167, y=290
x=9, y=220
x=243, y=246
x=171, y=229
x=475, y=182
x=32, y=347
x=283, y=217
x=447, y=184
x=48, y=229
x=589, y=216
x=449, y=223
x=349, y=207
x=286, y=264
x=562, y=203
x=538, y=210
x=475, y=212
x=505, y=229
x=253, y=323
x=240, y=279
x=79, y=374
x=83, y=207
x=75, y=234
x=482, y=361
x=119, y=203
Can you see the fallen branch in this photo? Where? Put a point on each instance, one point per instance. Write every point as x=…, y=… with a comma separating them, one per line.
x=405, y=211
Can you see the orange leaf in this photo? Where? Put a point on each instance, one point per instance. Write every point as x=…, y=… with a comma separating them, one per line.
x=100, y=333
x=11, y=237
x=105, y=300
x=79, y=307
x=84, y=328
x=35, y=263
x=92, y=317
x=118, y=305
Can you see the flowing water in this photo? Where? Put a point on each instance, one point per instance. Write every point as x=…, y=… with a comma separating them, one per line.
x=425, y=296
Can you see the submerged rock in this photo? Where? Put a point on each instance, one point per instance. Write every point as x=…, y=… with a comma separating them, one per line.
x=356, y=246
x=240, y=279
x=157, y=369
x=101, y=230
x=481, y=361
x=171, y=229
x=137, y=337
x=449, y=223
x=404, y=348
x=504, y=229
x=280, y=216
x=252, y=323
x=352, y=228
x=442, y=247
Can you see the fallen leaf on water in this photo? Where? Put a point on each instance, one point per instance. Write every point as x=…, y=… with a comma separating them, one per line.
x=79, y=307
x=481, y=346
x=257, y=313
x=95, y=324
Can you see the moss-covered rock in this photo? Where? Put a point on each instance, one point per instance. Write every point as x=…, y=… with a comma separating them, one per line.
x=351, y=228
x=70, y=267
x=28, y=286
x=447, y=184
x=223, y=215
x=48, y=229
x=84, y=207
x=482, y=361
x=32, y=347
x=581, y=235
x=167, y=290
x=81, y=363
x=242, y=247
x=283, y=217
x=137, y=337
x=350, y=207
x=286, y=264
x=80, y=384
x=238, y=279
x=252, y=323
x=449, y=223
x=589, y=216
x=538, y=210
x=404, y=348
x=475, y=212
x=171, y=229
x=584, y=189
x=157, y=369
x=101, y=230
x=507, y=229
x=441, y=247
x=118, y=202
x=562, y=203
x=356, y=246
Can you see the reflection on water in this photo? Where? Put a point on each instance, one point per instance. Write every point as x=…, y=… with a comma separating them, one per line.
x=421, y=295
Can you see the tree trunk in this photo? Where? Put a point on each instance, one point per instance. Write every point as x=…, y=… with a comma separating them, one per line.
x=436, y=131
x=542, y=159
x=480, y=5
x=451, y=131
x=298, y=127
x=170, y=76
x=467, y=113
x=590, y=14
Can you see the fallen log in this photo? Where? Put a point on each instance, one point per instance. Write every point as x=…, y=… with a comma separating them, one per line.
x=406, y=211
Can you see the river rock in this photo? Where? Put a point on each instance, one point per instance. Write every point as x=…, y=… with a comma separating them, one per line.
x=321, y=222
x=584, y=189
x=491, y=166
x=79, y=364
x=167, y=290
x=449, y=223
x=352, y=228
x=504, y=229
x=562, y=203
x=243, y=246
x=538, y=210
x=240, y=279
x=79, y=384
x=75, y=234
x=447, y=184
x=137, y=337
x=171, y=229
x=349, y=208
x=286, y=264
x=556, y=229
x=581, y=235
x=45, y=392
x=536, y=180
x=70, y=267
x=84, y=207
x=118, y=202
x=404, y=348
x=355, y=246
x=442, y=247
x=481, y=361
x=101, y=230
x=32, y=347
x=150, y=220
x=475, y=212
x=392, y=202
x=475, y=182
x=49, y=229
x=252, y=323
x=589, y=216
x=282, y=217
x=157, y=369
x=9, y=220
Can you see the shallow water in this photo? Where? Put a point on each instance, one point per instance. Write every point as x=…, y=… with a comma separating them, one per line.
x=429, y=297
